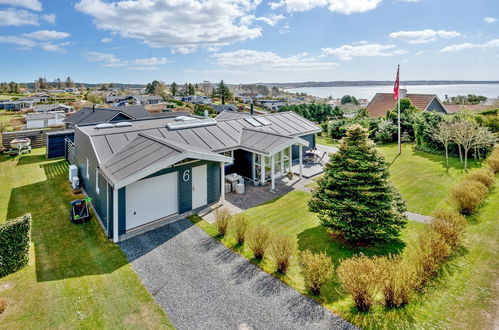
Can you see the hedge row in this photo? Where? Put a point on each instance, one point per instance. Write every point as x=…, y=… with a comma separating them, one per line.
x=14, y=244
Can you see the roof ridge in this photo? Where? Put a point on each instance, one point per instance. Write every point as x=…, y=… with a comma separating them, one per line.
x=260, y=131
x=161, y=140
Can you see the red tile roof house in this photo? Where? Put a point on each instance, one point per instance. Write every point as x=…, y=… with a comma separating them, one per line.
x=383, y=102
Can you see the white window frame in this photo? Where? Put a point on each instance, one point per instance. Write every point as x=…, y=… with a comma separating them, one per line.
x=97, y=181
x=230, y=154
x=87, y=170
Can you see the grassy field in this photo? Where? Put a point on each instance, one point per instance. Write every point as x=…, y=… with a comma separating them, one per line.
x=462, y=295
x=76, y=278
x=6, y=117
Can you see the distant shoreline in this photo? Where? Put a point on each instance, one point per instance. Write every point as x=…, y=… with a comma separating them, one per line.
x=378, y=83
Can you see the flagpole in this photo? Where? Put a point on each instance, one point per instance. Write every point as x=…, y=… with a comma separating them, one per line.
x=398, y=111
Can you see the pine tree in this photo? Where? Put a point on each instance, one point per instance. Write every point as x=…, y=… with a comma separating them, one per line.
x=355, y=197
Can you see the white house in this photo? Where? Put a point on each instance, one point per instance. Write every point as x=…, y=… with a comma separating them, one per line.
x=44, y=120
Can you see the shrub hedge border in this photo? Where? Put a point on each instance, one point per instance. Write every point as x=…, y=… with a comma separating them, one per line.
x=15, y=236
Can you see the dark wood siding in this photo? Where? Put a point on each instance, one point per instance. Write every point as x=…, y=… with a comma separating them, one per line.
x=85, y=151
x=436, y=106
x=56, y=145
x=310, y=138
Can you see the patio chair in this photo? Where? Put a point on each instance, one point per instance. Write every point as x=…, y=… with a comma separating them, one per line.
x=321, y=160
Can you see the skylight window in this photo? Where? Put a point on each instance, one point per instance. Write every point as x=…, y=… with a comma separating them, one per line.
x=191, y=123
x=253, y=122
x=264, y=121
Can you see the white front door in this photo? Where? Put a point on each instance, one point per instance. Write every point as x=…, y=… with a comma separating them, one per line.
x=199, y=186
x=151, y=199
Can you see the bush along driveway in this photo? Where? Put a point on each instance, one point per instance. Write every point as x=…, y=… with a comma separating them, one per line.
x=203, y=285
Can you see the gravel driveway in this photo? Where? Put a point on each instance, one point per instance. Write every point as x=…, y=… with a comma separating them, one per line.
x=203, y=285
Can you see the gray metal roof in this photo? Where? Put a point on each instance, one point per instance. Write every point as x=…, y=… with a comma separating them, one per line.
x=102, y=115
x=227, y=134
x=232, y=115
x=263, y=142
x=147, y=152
x=45, y=115
x=49, y=107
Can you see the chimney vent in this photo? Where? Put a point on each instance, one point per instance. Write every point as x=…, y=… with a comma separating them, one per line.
x=252, y=111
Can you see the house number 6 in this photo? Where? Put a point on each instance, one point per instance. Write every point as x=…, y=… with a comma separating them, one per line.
x=187, y=175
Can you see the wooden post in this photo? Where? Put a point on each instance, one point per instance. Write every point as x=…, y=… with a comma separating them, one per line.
x=115, y=216
x=253, y=166
x=262, y=172
x=222, y=184
x=272, y=172
x=301, y=161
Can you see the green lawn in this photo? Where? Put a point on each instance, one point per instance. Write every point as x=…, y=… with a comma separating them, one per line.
x=6, y=117
x=463, y=293
x=76, y=278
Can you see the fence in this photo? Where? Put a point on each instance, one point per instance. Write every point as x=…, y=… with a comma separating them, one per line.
x=37, y=137
x=69, y=150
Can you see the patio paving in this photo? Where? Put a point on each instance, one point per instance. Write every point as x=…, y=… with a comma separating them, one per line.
x=254, y=196
x=311, y=170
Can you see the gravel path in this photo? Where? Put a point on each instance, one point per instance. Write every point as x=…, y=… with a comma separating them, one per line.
x=418, y=217
x=203, y=285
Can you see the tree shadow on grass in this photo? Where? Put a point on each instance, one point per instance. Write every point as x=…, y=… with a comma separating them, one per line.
x=27, y=159
x=62, y=249
x=454, y=163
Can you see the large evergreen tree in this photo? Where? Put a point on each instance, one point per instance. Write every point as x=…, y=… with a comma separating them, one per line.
x=355, y=197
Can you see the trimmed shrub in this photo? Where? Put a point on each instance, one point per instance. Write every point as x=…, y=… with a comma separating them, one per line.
x=222, y=216
x=360, y=276
x=467, y=195
x=483, y=175
x=450, y=225
x=317, y=268
x=240, y=225
x=396, y=279
x=14, y=244
x=282, y=248
x=430, y=252
x=258, y=240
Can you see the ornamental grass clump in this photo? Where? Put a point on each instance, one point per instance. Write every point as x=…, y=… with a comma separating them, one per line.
x=397, y=278
x=483, y=175
x=282, y=248
x=493, y=161
x=450, y=225
x=258, y=240
x=359, y=275
x=222, y=216
x=240, y=226
x=317, y=269
x=429, y=254
x=467, y=195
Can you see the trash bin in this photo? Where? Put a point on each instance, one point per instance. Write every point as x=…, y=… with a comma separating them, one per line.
x=228, y=187
x=240, y=188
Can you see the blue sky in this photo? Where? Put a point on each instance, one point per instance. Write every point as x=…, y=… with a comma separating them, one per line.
x=240, y=41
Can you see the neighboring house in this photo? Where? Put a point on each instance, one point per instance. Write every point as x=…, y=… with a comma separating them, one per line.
x=15, y=105
x=219, y=108
x=195, y=99
x=146, y=172
x=147, y=100
x=44, y=120
x=34, y=99
x=383, y=102
x=272, y=104
x=103, y=115
x=52, y=107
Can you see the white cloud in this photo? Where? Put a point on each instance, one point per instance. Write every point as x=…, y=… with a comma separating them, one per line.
x=51, y=47
x=346, y=7
x=143, y=68
x=176, y=23
x=467, y=45
x=106, y=40
x=347, y=52
x=270, y=20
x=18, y=17
x=47, y=35
x=409, y=0
x=489, y=20
x=423, y=36
x=151, y=61
x=40, y=38
x=30, y=4
x=253, y=59
x=111, y=60
x=17, y=40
